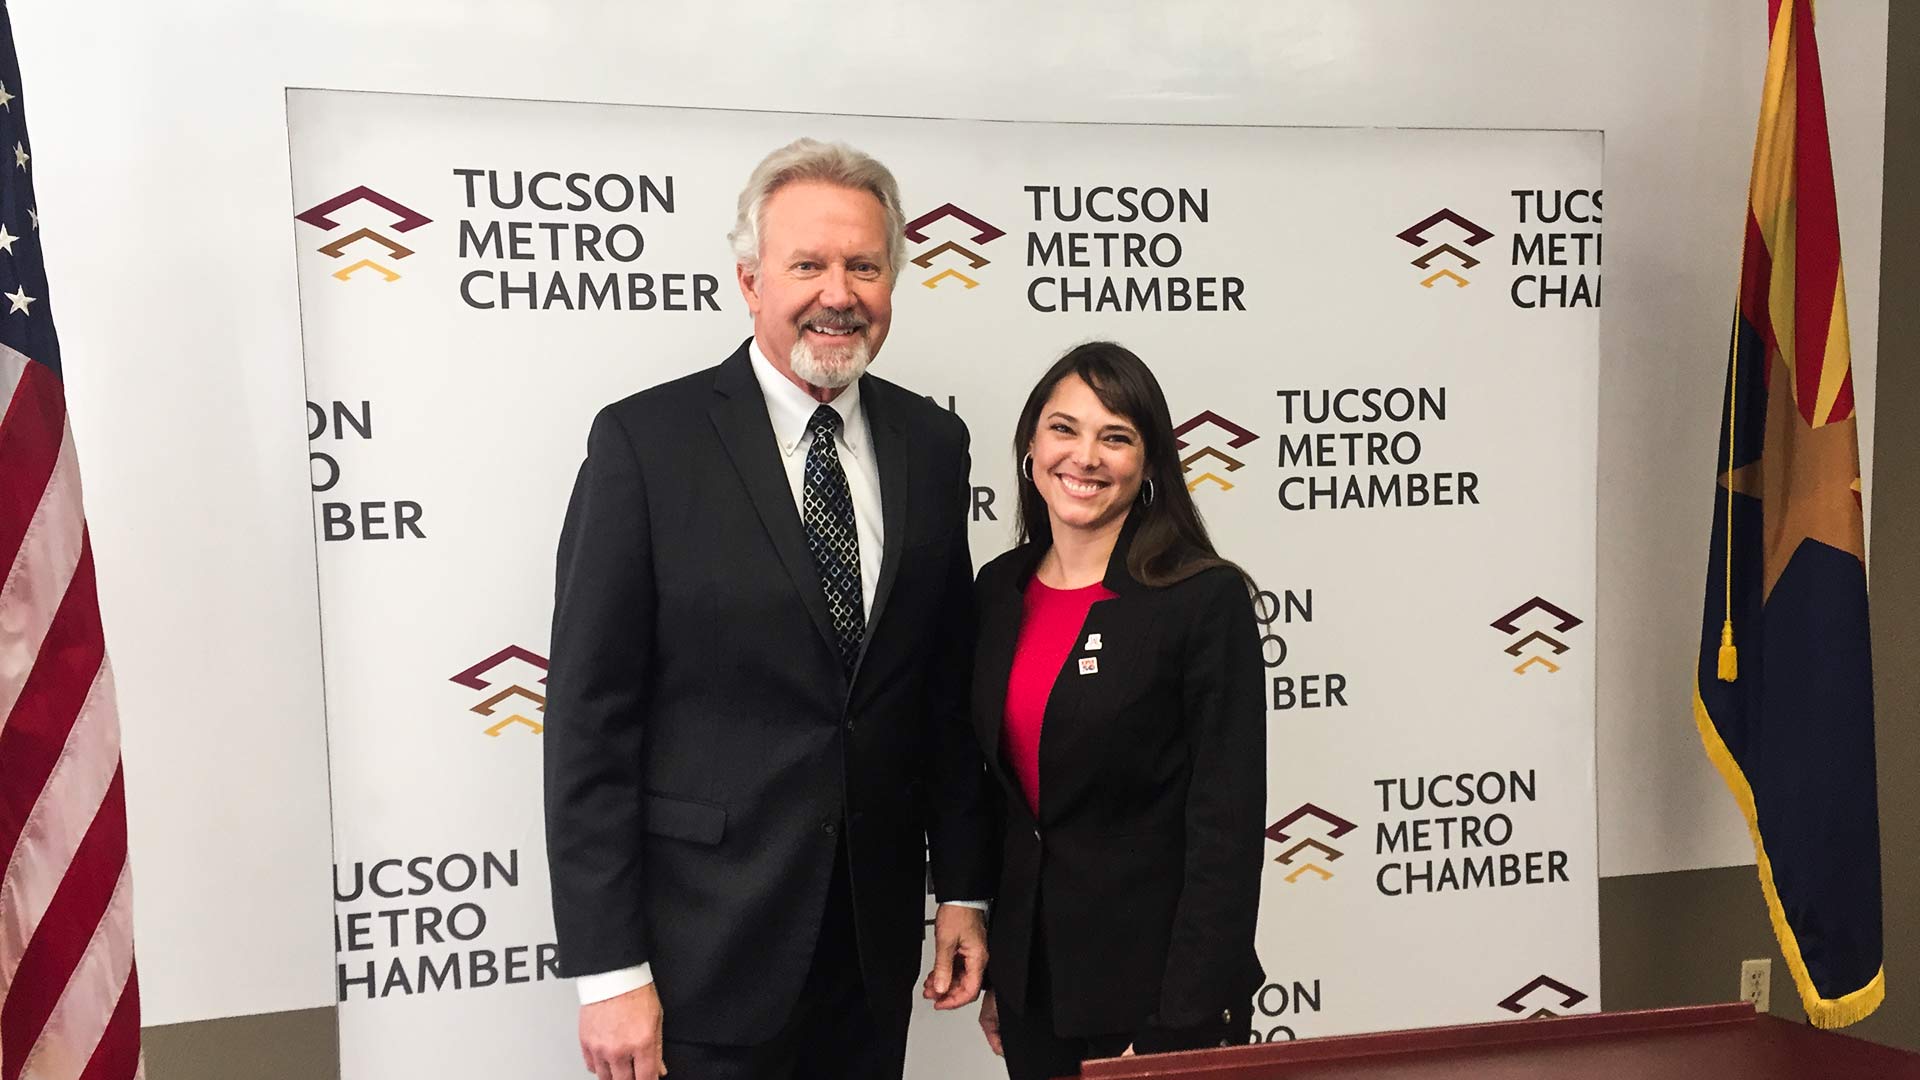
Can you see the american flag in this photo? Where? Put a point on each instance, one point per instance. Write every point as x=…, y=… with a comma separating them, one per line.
x=69, y=999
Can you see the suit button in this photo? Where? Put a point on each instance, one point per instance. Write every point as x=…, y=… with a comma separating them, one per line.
x=830, y=827
x=1226, y=1016
x=1226, y=1042
x=1036, y=834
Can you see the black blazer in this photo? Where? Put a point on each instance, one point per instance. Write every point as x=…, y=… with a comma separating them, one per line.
x=1144, y=863
x=705, y=755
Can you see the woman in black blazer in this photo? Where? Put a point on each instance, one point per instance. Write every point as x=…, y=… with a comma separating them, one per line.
x=1118, y=696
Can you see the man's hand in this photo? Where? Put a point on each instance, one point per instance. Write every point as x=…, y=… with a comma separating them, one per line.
x=620, y=1037
x=990, y=1023
x=959, y=938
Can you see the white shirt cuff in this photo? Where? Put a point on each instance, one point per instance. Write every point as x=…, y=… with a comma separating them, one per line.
x=611, y=984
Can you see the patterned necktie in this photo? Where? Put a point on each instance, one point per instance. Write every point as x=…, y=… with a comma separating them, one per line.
x=828, y=511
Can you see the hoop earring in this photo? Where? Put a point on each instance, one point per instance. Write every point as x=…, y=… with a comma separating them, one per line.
x=1146, y=492
x=1026, y=467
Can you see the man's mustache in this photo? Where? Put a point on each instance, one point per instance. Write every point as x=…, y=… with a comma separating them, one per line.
x=835, y=320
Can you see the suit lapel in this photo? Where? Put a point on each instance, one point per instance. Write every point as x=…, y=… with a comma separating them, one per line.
x=739, y=415
x=1000, y=631
x=1001, y=614
x=893, y=454
x=1077, y=703
x=1072, y=692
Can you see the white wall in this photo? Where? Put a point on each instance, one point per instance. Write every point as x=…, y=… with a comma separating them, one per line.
x=162, y=173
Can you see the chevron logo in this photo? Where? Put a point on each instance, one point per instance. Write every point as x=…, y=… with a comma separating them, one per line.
x=952, y=251
x=405, y=219
x=1239, y=436
x=1461, y=230
x=471, y=676
x=1564, y=996
x=1307, y=856
x=499, y=704
x=1223, y=431
x=1533, y=649
x=1416, y=234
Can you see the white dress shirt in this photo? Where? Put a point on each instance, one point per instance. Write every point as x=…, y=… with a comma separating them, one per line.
x=789, y=408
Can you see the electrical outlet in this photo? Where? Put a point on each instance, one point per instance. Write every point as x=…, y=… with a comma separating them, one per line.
x=1756, y=979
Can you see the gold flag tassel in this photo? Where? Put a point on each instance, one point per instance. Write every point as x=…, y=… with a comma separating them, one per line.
x=1729, y=655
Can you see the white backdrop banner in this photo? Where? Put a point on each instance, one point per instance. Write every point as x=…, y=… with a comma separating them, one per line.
x=1381, y=348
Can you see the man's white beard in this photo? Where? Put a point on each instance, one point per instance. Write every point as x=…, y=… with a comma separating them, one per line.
x=837, y=368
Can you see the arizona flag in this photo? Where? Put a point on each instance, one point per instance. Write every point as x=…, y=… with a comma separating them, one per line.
x=1784, y=691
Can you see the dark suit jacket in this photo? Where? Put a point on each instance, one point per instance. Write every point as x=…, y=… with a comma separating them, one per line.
x=705, y=753
x=1144, y=862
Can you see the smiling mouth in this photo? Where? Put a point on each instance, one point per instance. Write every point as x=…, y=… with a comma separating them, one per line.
x=831, y=330
x=1074, y=485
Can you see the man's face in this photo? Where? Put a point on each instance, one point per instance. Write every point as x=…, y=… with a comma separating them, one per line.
x=822, y=298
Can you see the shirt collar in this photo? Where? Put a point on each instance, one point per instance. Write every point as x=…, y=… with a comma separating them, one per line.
x=789, y=407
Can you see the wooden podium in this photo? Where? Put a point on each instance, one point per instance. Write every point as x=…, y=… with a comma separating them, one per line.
x=1703, y=1043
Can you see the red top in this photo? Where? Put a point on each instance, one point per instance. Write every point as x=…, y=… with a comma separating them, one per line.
x=1048, y=635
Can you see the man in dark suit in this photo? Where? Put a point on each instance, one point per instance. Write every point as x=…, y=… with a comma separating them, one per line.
x=756, y=710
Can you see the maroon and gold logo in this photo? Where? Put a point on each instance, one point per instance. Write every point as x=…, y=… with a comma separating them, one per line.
x=505, y=700
x=1452, y=262
x=1305, y=837
x=1543, y=988
x=952, y=254
x=1209, y=459
x=371, y=242
x=1536, y=645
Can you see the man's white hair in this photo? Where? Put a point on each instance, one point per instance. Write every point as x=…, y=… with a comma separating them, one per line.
x=831, y=163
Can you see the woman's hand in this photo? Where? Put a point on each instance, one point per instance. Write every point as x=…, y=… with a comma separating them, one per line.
x=990, y=1022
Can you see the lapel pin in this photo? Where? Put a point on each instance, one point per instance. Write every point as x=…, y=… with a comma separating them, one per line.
x=1093, y=643
x=1089, y=665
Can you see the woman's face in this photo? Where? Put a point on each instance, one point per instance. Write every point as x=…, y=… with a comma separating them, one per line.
x=1087, y=461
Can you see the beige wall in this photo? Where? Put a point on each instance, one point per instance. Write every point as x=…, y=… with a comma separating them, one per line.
x=1894, y=569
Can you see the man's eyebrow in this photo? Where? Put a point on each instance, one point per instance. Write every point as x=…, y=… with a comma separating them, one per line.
x=818, y=256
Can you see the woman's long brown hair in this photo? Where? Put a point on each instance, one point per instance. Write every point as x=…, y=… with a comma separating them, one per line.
x=1171, y=542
